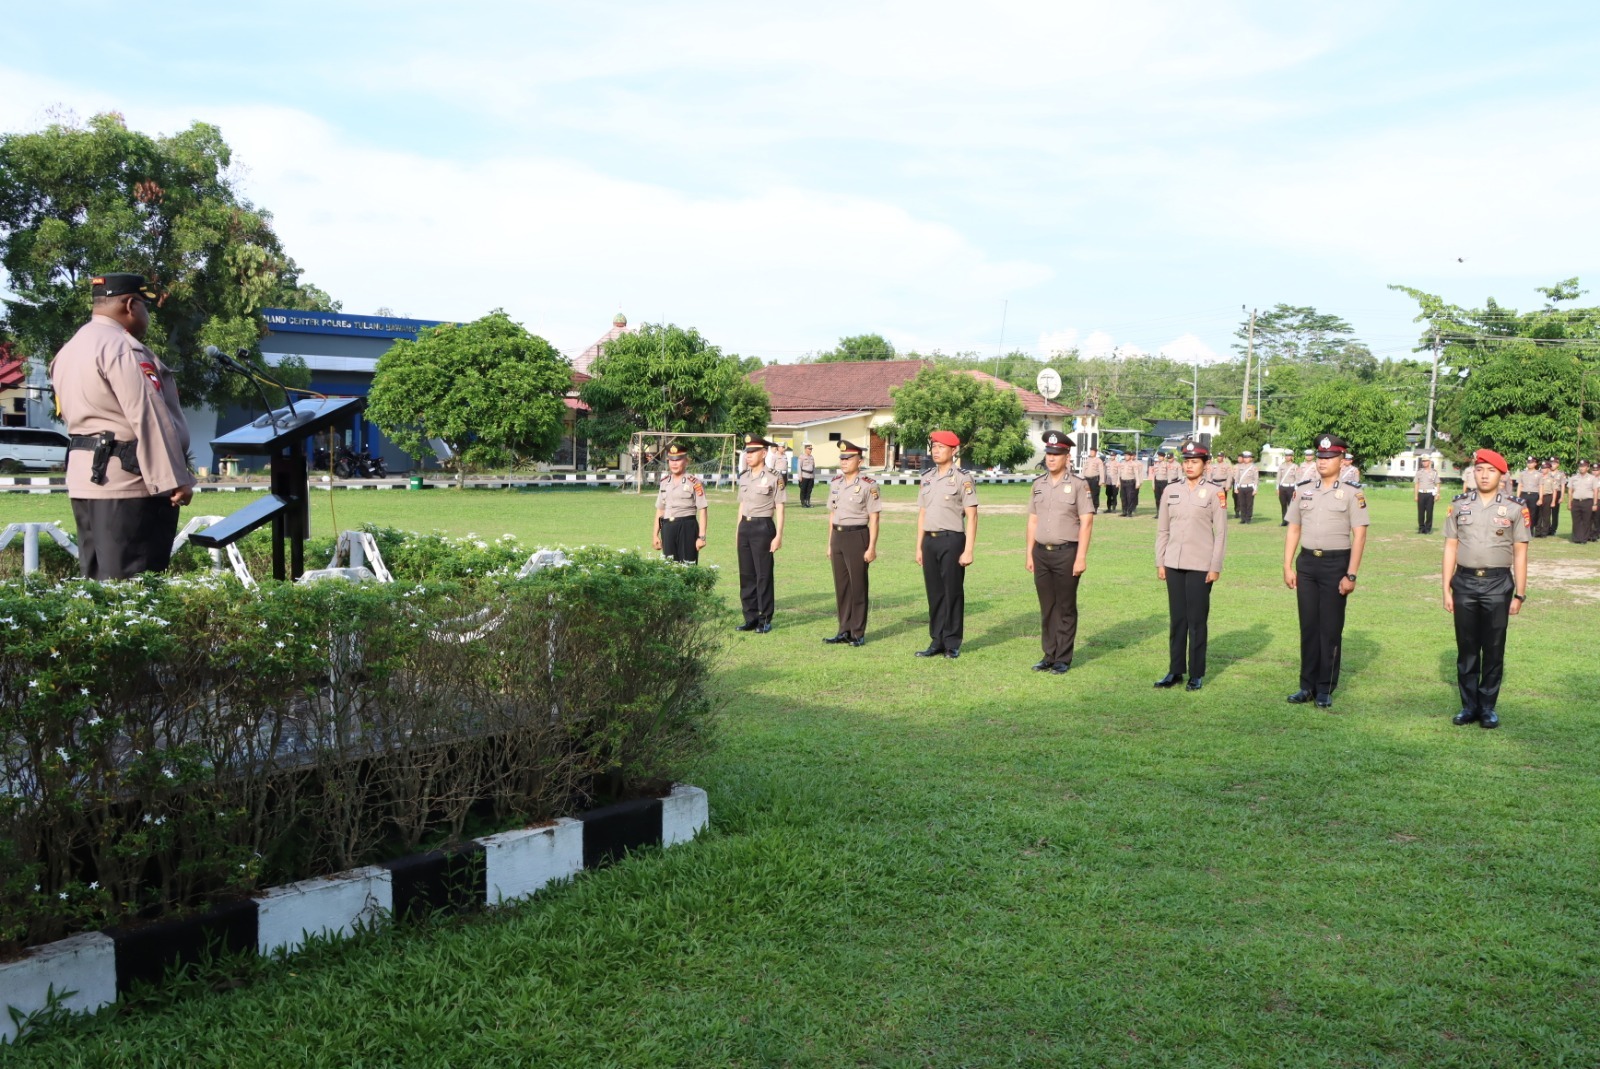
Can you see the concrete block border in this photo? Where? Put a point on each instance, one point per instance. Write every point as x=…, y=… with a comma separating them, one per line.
x=87, y=972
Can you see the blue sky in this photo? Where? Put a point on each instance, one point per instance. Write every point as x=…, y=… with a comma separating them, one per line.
x=778, y=176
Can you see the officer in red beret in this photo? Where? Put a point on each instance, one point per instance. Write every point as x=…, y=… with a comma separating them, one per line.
x=1486, y=534
x=947, y=531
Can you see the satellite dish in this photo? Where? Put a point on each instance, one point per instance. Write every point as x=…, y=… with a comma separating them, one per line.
x=1049, y=383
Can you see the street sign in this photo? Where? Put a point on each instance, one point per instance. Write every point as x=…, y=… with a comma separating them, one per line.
x=1049, y=384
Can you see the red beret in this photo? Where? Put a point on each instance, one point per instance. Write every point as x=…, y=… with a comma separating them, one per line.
x=945, y=438
x=1491, y=458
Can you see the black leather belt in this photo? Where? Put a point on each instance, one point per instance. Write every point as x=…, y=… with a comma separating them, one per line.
x=1483, y=572
x=936, y=534
x=1325, y=552
x=679, y=519
x=753, y=519
x=851, y=527
x=1052, y=546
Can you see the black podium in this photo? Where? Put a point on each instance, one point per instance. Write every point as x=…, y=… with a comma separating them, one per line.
x=282, y=435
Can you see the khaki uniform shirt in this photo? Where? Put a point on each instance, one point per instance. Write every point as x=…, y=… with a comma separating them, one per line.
x=850, y=503
x=1486, y=533
x=1527, y=481
x=1193, y=530
x=1549, y=485
x=1245, y=476
x=1327, y=516
x=1092, y=468
x=106, y=380
x=1582, y=487
x=945, y=499
x=1219, y=472
x=1131, y=471
x=760, y=494
x=681, y=497
x=1350, y=475
x=808, y=466
x=1427, y=481
x=1059, y=506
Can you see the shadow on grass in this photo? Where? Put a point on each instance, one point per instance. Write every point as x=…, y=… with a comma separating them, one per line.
x=1097, y=644
x=1229, y=649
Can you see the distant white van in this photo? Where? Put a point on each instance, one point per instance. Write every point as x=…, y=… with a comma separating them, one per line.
x=33, y=449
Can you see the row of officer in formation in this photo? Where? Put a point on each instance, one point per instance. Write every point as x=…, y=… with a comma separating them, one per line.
x=1543, y=487
x=1484, y=577
x=1122, y=478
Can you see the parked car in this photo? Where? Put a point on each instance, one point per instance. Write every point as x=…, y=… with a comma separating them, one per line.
x=33, y=449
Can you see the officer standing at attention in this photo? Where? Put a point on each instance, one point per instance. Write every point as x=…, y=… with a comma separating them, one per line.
x=1328, y=524
x=1246, y=480
x=1485, y=583
x=1543, y=526
x=1220, y=472
x=1191, y=536
x=127, y=466
x=1425, y=491
x=1093, y=470
x=1581, y=495
x=1161, y=474
x=680, y=510
x=1113, y=482
x=1131, y=473
x=946, y=503
x=762, y=495
x=1349, y=474
x=1288, y=475
x=808, y=476
x=853, y=508
x=1560, y=495
x=1056, y=551
x=1526, y=486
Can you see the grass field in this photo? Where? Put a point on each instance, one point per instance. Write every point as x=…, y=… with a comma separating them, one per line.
x=936, y=863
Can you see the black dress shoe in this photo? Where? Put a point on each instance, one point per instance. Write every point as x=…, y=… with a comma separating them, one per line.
x=931, y=651
x=1488, y=719
x=1299, y=697
x=952, y=654
x=1042, y=666
x=862, y=641
x=1195, y=683
x=836, y=639
x=1325, y=701
x=1060, y=668
x=749, y=626
x=1171, y=679
x=763, y=627
x=1465, y=716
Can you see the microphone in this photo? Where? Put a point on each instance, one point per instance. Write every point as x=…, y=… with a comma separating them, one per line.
x=228, y=363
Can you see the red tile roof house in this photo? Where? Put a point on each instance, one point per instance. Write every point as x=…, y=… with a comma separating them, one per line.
x=821, y=404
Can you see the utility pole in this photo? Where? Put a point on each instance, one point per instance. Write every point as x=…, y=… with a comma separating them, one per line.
x=1004, y=309
x=1249, y=354
x=1433, y=393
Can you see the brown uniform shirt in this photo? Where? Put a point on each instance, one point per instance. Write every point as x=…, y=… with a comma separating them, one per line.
x=1131, y=471
x=1526, y=481
x=1327, y=516
x=1486, y=533
x=808, y=466
x=1350, y=475
x=1288, y=474
x=106, y=380
x=760, y=493
x=1092, y=468
x=1219, y=472
x=1192, y=532
x=1427, y=481
x=945, y=499
x=678, y=498
x=1581, y=487
x=850, y=503
x=1549, y=485
x=1059, y=506
x=1246, y=476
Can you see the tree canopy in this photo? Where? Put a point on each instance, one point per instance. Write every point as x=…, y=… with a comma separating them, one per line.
x=858, y=347
x=78, y=200
x=666, y=378
x=1367, y=417
x=488, y=389
x=990, y=422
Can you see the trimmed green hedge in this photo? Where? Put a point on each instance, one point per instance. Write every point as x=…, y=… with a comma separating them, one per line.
x=169, y=742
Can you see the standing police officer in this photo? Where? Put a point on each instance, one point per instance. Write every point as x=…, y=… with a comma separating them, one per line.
x=127, y=467
x=1425, y=491
x=853, y=508
x=1581, y=495
x=1093, y=470
x=1191, y=537
x=1130, y=474
x=947, y=505
x=1288, y=475
x=1328, y=524
x=1543, y=519
x=1485, y=583
x=762, y=495
x=1220, y=472
x=680, y=510
x=1056, y=551
x=1246, y=480
x=1161, y=474
x=808, y=476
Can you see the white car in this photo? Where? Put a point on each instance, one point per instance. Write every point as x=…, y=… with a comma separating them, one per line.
x=33, y=449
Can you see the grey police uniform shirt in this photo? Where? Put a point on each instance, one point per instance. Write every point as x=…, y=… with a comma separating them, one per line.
x=1246, y=477
x=1059, y=506
x=1581, y=487
x=1288, y=475
x=1092, y=468
x=1486, y=533
x=1526, y=481
x=1549, y=484
x=808, y=466
x=1427, y=481
x=1192, y=532
x=944, y=499
x=760, y=493
x=1350, y=476
x=682, y=497
x=1219, y=473
x=850, y=503
x=1327, y=515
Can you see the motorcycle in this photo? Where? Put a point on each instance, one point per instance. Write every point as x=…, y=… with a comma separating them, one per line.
x=350, y=464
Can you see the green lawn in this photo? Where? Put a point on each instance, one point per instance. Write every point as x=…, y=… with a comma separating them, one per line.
x=917, y=863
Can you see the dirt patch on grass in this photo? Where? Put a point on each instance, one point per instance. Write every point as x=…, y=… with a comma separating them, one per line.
x=1573, y=577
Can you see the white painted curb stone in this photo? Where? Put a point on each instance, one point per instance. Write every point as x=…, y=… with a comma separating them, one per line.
x=518, y=863
x=684, y=814
x=84, y=964
x=286, y=916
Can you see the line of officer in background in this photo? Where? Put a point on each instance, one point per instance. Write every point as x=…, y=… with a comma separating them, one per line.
x=1289, y=473
x=1525, y=484
x=947, y=533
x=1581, y=494
x=1328, y=524
x=680, y=529
x=1093, y=471
x=1485, y=583
x=1246, y=480
x=127, y=463
x=1130, y=475
x=853, y=507
x=1056, y=550
x=808, y=476
x=1191, y=538
x=1545, y=517
x=1163, y=473
x=762, y=496
x=1113, y=482
x=1220, y=472
x=1425, y=491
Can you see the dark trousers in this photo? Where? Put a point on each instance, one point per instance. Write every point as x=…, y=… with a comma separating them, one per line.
x=1111, y=494
x=1285, y=499
x=1541, y=520
x=678, y=538
x=755, y=568
x=1583, y=517
x=805, y=492
x=1130, y=497
x=1057, y=588
x=1161, y=491
x=1425, y=513
x=1188, y=608
x=1321, y=617
x=850, y=579
x=1483, y=609
x=1244, y=503
x=1094, y=492
x=1555, y=516
x=945, y=581
x=121, y=537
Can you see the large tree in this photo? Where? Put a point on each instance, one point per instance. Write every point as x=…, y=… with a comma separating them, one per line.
x=858, y=347
x=666, y=378
x=1522, y=399
x=1368, y=417
x=990, y=422
x=1299, y=334
x=488, y=389
x=76, y=200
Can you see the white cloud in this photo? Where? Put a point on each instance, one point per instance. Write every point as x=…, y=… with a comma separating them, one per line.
x=1189, y=349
